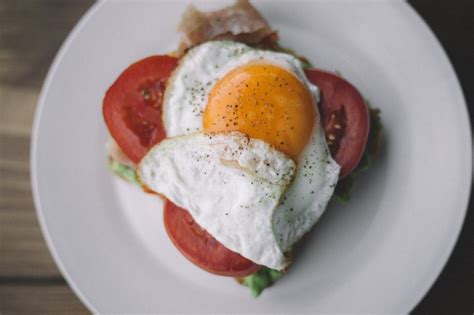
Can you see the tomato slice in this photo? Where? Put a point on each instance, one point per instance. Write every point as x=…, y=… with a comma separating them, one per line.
x=132, y=105
x=202, y=248
x=345, y=118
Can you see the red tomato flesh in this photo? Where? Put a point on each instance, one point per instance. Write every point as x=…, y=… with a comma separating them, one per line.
x=345, y=118
x=201, y=248
x=132, y=106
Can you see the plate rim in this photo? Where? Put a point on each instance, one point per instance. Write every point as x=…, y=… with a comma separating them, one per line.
x=33, y=149
x=408, y=8
x=436, y=272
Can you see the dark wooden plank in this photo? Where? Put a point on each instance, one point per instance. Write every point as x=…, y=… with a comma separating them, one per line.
x=15, y=149
x=31, y=31
x=30, y=34
x=39, y=298
x=23, y=251
x=17, y=110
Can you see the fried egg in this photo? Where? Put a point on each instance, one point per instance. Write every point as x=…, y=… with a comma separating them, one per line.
x=222, y=87
x=229, y=183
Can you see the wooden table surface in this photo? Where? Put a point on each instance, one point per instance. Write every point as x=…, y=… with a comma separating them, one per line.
x=31, y=32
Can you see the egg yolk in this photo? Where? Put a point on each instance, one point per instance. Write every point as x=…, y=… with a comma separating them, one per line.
x=265, y=102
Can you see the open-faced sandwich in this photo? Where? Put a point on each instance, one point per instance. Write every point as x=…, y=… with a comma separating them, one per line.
x=244, y=140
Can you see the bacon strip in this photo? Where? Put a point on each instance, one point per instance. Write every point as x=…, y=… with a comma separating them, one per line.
x=240, y=22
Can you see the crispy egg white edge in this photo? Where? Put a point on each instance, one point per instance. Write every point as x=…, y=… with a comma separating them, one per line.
x=186, y=97
x=243, y=180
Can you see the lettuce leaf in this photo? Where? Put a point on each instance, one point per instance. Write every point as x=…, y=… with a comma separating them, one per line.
x=261, y=280
x=124, y=171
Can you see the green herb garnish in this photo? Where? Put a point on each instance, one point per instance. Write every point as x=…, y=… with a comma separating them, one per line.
x=124, y=171
x=261, y=280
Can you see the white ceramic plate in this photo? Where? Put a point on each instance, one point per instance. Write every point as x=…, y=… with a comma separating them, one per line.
x=379, y=253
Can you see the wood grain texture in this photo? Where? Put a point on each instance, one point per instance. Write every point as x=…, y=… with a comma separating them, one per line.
x=39, y=299
x=31, y=32
x=17, y=110
x=24, y=253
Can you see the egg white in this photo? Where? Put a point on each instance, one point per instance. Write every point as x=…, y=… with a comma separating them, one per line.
x=188, y=88
x=229, y=183
x=317, y=173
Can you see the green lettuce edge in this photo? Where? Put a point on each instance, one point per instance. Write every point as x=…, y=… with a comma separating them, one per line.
x=124, y=171
x=261, y=280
